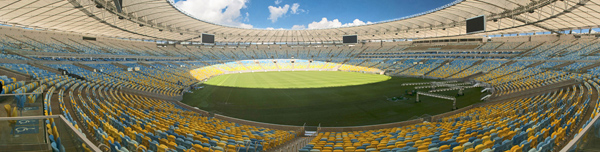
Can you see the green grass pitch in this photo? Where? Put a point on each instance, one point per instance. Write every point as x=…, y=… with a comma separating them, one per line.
x=298, y=79
x=311, y=98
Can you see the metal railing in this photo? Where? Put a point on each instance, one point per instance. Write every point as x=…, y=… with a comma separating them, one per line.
x=78, y=134
x=586, y=138
x=16, y=94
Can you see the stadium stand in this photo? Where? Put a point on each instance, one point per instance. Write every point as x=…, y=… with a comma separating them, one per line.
x=538, y=123
x=133, y=121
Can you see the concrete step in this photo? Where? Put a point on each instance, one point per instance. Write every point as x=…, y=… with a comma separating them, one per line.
x=43, y=67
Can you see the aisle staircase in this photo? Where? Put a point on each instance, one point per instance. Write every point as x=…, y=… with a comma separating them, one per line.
x=472, y=65
x=244, y=65
x=441, y=65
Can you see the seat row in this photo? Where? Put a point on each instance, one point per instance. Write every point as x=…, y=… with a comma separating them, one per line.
x=538, y=123
x=130, y=122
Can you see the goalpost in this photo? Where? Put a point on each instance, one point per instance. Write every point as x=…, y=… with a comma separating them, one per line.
x=438, y=96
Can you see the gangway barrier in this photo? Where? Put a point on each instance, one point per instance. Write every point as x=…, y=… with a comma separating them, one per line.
x=438, y=96
x=453, y=88
x=425, y=83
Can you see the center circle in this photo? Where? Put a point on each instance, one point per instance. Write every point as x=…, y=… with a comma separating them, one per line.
x=295, y=79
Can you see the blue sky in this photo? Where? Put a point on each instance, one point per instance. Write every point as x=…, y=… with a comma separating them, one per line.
x=303, y=14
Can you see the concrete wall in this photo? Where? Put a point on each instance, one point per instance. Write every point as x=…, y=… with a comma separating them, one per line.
x=538, y=38
x=371, y=127
x=541, y=38
x=511, y=39
x=14, y=74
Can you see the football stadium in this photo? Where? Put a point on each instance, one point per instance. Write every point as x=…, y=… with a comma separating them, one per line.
x=206, y=76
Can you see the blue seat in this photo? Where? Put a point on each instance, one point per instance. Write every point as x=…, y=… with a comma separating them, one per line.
x=493, y=136
x=497, y=148
x=153, y=145
x=132, y=144
x=468, y=145
x=212, y=143
x=409, y=144
x=452, y=145
x=259, y=147
x=206, y=145
x=434, y=149
x=412, y=149
x=443, y=143
x=187, y=144
x=506, y=144
x=451, y=140
x=433, y=145
x=303, y=150
x=124, y=141
x=477, y=142
x=197, y=142
x=472, y=139
x=403, y=149
x=139, y=137
x=526, y=145
x=181, y=148
x=497, y=140
x=54, y=147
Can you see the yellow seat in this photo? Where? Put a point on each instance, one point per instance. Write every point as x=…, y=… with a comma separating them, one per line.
x=163, y=141
x=401, y=145
x=221, y=144
x=172, y=145
x=162, y=148
x=422, y=147
x=457, y=149
x=485, y=139
x=171, y=138
x=479, y=148
x=197, y=147
x=7, y=108
x=444, y=147
x=516, y=148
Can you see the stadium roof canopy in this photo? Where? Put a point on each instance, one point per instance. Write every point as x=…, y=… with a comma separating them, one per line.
x=160, y=20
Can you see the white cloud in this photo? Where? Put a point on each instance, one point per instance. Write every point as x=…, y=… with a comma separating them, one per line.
x=271, y=28
x=226, y=12
x=277, y=2
x=298, y=27
x=357, y=22
x=324, y=23
x=277, y=12
x=295, y=9
x=247, y=18
x=242, y=25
